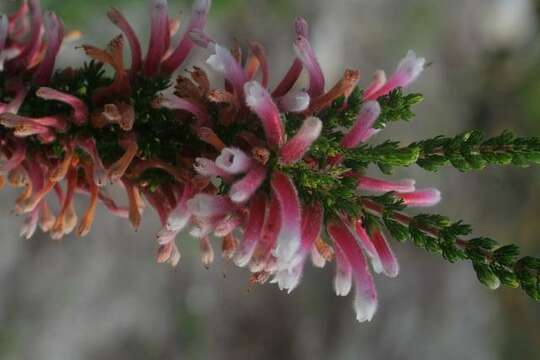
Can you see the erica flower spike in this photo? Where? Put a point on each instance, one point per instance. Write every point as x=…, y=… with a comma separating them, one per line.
x=278, y=173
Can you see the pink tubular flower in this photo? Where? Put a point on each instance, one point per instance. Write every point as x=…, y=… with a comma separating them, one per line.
x=365, y=242
x=262, y=259
x=390, y=265
x=244, y=188
x=197, y=23
x=365, y=302
x=158, y=37
x=408, y=70
x=372, y=184
x=421, y=198
x=180, y=215
x=378, y=81
x=294, y=101
x=261, y=103
x=225, y=64
x=312, y=219
x=289, y=238
x=343, y=278
x=301, y=29
x=295, y=148
x=80, y=111
x=136, y=54
x=10, y=120
x=54, y=29
x=253, y=230
x=363, y=127
x=173, y=102
x=305, y=53
x=23, y=126
x=233, y=161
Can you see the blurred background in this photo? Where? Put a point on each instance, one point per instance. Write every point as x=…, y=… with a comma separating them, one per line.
x=104, y=297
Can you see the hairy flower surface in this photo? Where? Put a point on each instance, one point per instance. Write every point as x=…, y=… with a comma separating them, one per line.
x=278, y=174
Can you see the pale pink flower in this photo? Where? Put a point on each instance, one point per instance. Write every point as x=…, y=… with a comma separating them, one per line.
x=408, y=70
x=301, y=29
x=377, y=185
x=262, y=259
x=174, y=102
x=80, y=111
x=196, y=23
x=378, y=81
x=158, y=37
x=294, y=101
x=343, y=278
x=261, y=103
x=312, y=220
x=244, y=188
x=421, y=198
x=233, y=161
x=296, y=147
x=363, y=127
x=290, y=233
x=365, y=302
x=225, y=64
x=54, y=31
x=305, y=53
x=390, y=265
x=252, y=231
x=135, y=46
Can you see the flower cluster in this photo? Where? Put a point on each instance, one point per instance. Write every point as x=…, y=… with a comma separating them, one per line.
x=277, y=173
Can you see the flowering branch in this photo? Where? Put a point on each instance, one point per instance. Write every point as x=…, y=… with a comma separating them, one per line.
x=279, y=175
